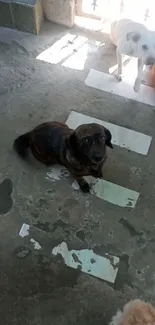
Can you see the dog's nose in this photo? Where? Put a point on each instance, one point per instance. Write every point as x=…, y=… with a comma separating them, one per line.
x=150, y=61
x=98, y=158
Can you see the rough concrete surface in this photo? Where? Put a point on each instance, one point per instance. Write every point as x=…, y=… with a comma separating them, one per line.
x=35, y=288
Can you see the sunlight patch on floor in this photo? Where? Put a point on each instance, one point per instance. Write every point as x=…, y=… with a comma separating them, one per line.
x=62, y=48
x=70, y=51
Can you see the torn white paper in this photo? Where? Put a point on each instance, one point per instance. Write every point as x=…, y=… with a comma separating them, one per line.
x=36, y=244
x=24, y=231
x=56, y=173
x=75, y=186
x=87, y=261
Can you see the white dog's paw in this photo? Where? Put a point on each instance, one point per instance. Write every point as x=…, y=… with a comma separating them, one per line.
x=116, y=74
x=136, y=86
x=118, y=77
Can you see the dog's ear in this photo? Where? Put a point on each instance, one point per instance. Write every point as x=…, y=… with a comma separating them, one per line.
x=73, y=141
x=108, y=138
x=134, y=36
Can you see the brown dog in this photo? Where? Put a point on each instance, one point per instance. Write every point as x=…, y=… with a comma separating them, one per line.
x=135, y=312
x=82, y=152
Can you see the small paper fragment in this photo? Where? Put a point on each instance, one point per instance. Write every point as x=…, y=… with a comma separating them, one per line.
x=57, y=173
x=75, y=186
x=37, y=246
x=24, y=231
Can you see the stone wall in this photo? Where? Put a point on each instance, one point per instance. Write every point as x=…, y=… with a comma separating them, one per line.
x=60, y=11
x=27, y=15
x=24, y=15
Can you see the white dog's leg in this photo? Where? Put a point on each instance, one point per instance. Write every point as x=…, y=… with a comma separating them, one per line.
x=119, y=67
x=139, y=75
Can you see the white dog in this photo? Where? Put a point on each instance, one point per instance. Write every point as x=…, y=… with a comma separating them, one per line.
x=135, y=40
x=136, y=312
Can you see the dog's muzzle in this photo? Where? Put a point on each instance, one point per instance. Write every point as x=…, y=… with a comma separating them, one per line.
x=98, y=158
x=150, y=61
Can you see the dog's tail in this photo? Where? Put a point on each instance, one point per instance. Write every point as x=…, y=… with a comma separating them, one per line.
x=21, y=144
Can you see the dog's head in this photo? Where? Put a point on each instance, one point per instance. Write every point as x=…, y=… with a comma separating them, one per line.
x=89, y=142
x=144, y=46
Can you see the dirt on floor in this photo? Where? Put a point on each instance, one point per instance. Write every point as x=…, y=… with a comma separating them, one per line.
x=35, y=288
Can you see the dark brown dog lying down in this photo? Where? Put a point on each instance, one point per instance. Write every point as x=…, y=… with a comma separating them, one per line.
x=81, y=151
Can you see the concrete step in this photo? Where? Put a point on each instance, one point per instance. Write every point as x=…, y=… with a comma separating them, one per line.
x=24, y=15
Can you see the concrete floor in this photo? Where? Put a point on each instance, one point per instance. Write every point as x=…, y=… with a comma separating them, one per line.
x=34, y=287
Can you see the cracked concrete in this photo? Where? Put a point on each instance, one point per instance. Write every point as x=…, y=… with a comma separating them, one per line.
x=35, y=288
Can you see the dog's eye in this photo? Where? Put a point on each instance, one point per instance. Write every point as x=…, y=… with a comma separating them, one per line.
x=101, y=138
x=145, y=47
x=87, y=140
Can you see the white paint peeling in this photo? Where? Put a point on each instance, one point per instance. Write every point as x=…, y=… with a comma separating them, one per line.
x=56, y=173
x=37, y=246
x=75, y=186
x=24, y=231
x=110, y=192
x=113, y=193
x=103, y=189
x=87, y=261
x=106, y=82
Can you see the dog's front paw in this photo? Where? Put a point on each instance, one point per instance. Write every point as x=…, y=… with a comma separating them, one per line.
x=118, y=77
x=97, y=173
x=136, y=86
x=84, y=186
